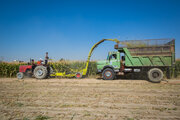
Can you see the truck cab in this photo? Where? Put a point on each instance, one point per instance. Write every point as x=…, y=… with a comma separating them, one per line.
x=111, y=65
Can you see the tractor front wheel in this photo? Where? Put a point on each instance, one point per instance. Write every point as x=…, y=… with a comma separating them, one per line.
x=20, y=75
x=40, y=72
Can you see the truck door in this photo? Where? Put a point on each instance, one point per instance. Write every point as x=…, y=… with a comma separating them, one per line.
x=114, y=60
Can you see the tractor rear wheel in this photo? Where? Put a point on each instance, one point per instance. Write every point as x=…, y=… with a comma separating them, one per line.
x=40, y=72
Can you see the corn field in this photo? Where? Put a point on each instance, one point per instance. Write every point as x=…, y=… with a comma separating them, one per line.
x=11, y=69
x=8, y=69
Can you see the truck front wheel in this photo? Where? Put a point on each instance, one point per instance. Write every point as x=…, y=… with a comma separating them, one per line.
x=108, y=74
x=155, y=75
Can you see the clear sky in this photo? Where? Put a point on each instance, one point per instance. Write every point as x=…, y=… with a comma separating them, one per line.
x=69, y=28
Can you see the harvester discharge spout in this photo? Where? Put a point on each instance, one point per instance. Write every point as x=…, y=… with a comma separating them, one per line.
x=84, y=72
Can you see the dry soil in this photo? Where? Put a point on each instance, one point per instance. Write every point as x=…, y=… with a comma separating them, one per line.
x=88, y=99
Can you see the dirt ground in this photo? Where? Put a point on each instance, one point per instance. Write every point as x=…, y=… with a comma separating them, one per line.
x=88, y=99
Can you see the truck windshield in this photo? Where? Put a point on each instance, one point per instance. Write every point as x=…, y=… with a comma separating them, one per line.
x=112, y=56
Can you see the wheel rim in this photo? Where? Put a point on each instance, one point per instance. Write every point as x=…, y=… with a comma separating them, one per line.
x=19, y=76
x=155, y=74
x=78, y=75
x=108, y=74
x=40, y=72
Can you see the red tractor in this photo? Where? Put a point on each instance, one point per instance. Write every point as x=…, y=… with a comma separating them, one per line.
x=38, y=70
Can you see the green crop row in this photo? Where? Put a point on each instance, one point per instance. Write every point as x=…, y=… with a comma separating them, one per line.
x=11, y=69
x=8, y=69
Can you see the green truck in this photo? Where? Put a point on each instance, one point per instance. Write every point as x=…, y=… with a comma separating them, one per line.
x=151, y=57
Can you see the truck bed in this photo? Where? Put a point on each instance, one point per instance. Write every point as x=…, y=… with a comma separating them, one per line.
x=154, y=52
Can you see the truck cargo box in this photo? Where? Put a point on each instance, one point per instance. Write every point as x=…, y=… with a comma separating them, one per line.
x=150, y=52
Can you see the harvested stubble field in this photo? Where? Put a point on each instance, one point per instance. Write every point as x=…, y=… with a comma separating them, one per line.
x=88, y=99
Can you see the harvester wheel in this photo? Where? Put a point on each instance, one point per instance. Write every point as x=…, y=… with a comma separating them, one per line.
x=155, y=75
x=20, y=75
x=78, y=75
x=40, y=72
x=108, y=74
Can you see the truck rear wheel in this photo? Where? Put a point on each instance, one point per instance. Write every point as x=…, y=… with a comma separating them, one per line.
x=108, y=74
x=155, y=75
x=40, y=72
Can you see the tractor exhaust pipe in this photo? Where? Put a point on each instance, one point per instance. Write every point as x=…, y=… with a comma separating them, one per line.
x=46, y=58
